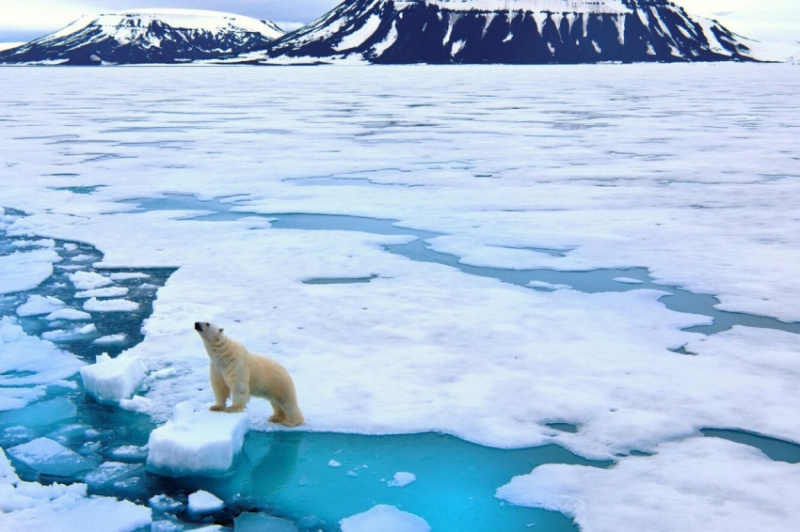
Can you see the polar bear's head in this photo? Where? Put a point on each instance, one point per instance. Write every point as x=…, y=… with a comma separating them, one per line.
x=207, y=331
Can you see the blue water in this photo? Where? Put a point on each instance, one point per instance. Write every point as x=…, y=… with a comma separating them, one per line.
x=289, y=472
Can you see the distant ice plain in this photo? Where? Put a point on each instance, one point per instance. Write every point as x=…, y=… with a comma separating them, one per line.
x=692, y=171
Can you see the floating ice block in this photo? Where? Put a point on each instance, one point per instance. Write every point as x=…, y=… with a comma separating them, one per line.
x=111, y=380
x=50, y=458
x=197, y=443
x=202, y=503
x=386, y=519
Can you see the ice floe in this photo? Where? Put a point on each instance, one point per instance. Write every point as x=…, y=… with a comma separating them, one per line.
x=385, y=518
x=716, y=484
x=62, y=508
x=202, y=502
x=199, y=443
x=111, y=380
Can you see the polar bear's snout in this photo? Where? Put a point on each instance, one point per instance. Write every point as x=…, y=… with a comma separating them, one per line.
x=198, y=326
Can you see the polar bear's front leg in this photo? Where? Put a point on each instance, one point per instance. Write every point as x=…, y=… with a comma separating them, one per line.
x=241, y=394
x=221, y=390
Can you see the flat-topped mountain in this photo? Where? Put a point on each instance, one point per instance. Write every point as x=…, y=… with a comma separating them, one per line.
x=507, y=31
x=147, y=36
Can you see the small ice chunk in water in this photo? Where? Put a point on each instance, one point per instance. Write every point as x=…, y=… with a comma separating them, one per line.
x=334, y=463
x=89, y=280
x=122, y=276
x=69, y=314
x=548, y=286
x=110, y=305
x=111, y=291
x=386, y=519
x=401, y=479
x=202, y=502
x=253, y=522
x=111, y=380
x=628, y=280
x=201, y=442
x=111, y=339
x=50, y=458
x=37, y=305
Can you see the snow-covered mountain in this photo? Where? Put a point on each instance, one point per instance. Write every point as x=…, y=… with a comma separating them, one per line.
x=147, y=36
x=507, y=31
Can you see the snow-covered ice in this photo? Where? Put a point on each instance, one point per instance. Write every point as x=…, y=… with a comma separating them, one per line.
x=202, y=502
x=385, y=518
x=25, y=270
x=197, y=443
x=26, y=360
x=110, y=305
x=62, y=508
x=693, y=486
x=111, y=380
x=37, y=305
x=625, y=166
x=401, y=479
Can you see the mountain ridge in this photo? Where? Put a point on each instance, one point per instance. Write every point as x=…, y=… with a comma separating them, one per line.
x=147, y=36
x=507, y=31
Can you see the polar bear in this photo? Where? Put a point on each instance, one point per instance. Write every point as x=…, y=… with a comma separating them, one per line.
x=236, y=371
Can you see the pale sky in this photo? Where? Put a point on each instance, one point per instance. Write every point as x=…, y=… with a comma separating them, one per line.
x=23, y=20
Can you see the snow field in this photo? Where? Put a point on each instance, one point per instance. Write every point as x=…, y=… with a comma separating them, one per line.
x=647, y=165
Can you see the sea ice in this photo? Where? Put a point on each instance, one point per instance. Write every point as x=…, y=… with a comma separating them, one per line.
x=89, y=280
x=69, y=314
x=59, y=508
x=628, y=280
x=24, y=271
x=37, y=305
x=695, y=485
x=386, y=519
x=198, y=443
x=34, y=361
x=50, y=458
x=706, y=200
x=401, y=479
x=111, y=339
x=110, y=305
x=110, y=291
x=111, y=380
x=202, y=502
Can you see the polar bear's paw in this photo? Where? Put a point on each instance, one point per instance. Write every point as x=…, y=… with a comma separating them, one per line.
x=233, y=409
x=217, y=408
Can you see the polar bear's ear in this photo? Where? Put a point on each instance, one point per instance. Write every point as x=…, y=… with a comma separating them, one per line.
x=221, y=331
